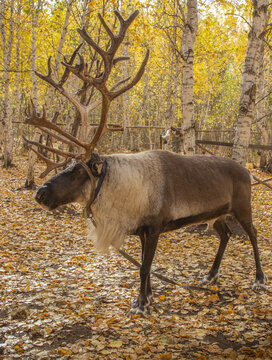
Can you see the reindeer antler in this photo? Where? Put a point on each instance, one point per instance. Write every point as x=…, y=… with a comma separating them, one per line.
x=99, y=82
x=108, y=60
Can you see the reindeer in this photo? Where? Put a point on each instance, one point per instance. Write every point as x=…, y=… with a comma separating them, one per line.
x=144, y=194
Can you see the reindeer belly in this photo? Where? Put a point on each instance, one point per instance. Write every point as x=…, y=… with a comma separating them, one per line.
x=200, y=203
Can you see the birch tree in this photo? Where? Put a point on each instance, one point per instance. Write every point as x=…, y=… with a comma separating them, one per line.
x=83, y=130
x=125, y=99
x=184, y=49
x=7, y=32
x=174, y=71
x=30, y=181
x=261, y=116
x=59, y=50
x=18, y=54
x=249, y=78
x=189, y=32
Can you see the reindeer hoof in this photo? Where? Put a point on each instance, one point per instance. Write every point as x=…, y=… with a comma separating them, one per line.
x=259, y=284
x=136, y=311
x=209, y=280
x=150, y=299
x=140, y=307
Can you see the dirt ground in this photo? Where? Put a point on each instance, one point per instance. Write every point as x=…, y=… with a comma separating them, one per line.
x=60, y=300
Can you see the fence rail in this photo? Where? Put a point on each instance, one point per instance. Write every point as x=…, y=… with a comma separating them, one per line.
x=230, y=144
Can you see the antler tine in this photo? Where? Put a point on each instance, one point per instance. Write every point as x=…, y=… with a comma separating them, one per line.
x=81, y=71
x=124, y=24
x=31, y=114
x=120, y=17
x=58, y=86
x=47, y=77
x=43, y=123
x=50, y=165
x=102, y=128
x=115, y=86
x=105, y=25
x=137, y=77
x=120, y=58
x=83, y=33
x=61, y=139
x=48, y=148
x=116, y=40
x=70, y=62
x=40, y=121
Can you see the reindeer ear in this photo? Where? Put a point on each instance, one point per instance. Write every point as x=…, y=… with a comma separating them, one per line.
x=96, y=165
x=98, y=168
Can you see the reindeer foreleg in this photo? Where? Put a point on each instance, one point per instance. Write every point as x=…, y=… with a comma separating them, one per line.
x=149, y=242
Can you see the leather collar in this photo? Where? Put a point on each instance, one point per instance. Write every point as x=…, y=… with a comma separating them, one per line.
x=100, y=181
x=87, y=211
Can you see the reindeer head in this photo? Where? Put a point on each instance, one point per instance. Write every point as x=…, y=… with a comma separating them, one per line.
x=75, y=184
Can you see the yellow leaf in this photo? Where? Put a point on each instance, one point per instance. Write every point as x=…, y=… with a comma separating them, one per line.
x=112, y=320
x=63, y=351
x=201, y=357
x=116, y=344
x=100, y=347
x=105, y=352
x=18, y=348
x=9, y=267
x=166, y=357
x=162, y=297
x=213, y=298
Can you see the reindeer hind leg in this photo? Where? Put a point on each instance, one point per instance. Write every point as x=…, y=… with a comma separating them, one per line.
x=224, y=233
x=245, y=219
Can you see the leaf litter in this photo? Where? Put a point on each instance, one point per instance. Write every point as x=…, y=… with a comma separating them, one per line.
x=61, y=300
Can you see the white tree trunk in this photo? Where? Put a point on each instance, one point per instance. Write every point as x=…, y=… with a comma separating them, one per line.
x=143, y=112
x=30, y=181
x=17, y=75
x=59, y=51
x=248, y=86
x=7, y=41
x=125, y=100
x=262, y=122
x=174, y=72
x=80, y=126
x=187, y=49
x=32, y=157
x=176, y=140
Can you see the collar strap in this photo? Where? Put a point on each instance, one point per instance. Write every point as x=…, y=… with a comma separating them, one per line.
x=91, y=176
x=101, y=179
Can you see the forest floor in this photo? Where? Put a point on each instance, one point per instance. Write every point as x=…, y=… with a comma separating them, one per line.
x=60, y=300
